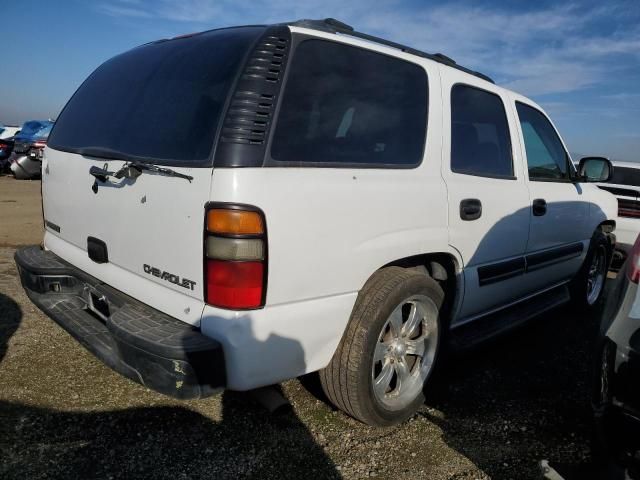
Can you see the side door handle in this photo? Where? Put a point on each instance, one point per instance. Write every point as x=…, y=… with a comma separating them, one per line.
x=470, y=209
x=539, y=207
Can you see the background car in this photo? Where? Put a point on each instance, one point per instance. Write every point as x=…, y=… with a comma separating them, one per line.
x=625, y=185
x=26, y=160
x=8, y=131
x=6, y=147
x=616, y=396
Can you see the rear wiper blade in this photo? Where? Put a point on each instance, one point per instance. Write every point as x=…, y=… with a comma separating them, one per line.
x=126, y=171
x=132, y=169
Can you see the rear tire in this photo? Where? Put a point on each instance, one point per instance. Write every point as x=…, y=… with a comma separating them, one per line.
x=588, y=285
x=389, y=348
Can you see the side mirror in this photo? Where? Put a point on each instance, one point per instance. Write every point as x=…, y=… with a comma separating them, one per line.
x=595, y=169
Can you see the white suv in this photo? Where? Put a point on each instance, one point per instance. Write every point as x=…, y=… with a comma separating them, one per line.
x=242, y=206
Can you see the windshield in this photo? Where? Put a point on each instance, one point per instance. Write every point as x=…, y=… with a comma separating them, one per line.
x=161, y=101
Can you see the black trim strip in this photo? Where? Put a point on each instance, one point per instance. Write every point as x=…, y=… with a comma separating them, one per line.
x=625, y=192
x=496, y=272
x=555, y=255
x=52, y=226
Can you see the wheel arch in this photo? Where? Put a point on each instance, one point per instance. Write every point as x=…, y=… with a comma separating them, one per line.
x=445, y=268
x=607, y=226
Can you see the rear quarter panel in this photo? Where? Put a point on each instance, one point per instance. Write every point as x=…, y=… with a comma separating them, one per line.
x=330, y=229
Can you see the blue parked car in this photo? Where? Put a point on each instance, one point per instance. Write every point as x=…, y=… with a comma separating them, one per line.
x=26, y=160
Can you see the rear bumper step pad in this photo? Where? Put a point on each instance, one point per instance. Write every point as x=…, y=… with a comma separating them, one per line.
x=139, y=342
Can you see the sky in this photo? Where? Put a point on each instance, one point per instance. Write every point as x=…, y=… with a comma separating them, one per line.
x=580, y=59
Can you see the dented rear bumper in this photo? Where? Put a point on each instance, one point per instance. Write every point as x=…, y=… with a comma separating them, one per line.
x=139, y=342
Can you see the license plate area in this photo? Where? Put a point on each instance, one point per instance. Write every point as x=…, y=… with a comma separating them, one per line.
x=97, y=303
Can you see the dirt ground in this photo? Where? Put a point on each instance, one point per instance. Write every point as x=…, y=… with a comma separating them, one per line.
x=20, y=212
x=492, y=413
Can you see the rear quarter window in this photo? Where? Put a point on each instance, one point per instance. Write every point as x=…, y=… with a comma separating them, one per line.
x=344, y=105
x=480, y=138
x=162, y=101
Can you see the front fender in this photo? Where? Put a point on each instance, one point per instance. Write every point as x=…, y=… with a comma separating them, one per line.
x=603, y=206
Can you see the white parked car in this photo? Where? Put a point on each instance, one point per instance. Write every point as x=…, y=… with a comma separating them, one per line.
x=8, y=131
x=246, y=205
x=625, y=185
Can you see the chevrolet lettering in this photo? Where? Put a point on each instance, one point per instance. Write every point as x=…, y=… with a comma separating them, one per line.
x=169, y=277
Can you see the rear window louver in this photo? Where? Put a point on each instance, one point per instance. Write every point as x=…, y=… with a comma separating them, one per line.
x=251, y=108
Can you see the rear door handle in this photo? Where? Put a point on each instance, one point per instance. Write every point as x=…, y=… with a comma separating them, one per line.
x=470, y=209
x=539, y=207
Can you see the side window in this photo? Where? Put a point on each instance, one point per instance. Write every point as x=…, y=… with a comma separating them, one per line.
x=546, y=156
x=347, y=105
x=480, y=141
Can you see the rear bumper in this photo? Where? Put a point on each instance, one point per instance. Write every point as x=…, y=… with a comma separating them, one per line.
x=23, y=167
x=627, y=230
x=141, y=343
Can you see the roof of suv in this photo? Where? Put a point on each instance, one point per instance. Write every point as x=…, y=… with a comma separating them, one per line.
x=331, y=25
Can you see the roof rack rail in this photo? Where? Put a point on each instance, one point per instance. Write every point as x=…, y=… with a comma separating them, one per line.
x=331, y=25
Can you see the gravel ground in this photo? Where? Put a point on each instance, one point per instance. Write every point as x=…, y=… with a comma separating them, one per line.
x=492, y=413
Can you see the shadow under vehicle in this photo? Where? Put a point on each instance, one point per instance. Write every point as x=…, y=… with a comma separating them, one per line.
x=44, y=442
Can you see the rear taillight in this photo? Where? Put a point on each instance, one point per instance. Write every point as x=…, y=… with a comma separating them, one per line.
x=633, y=262
x=36, y=153
x=628, y=208
x=235, y=250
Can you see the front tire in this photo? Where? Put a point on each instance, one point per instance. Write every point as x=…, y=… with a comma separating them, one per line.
x=588, y=286
x=389, y=349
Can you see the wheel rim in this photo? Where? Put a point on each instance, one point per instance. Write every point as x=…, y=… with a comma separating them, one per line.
x=405, y=351
x=596, y=275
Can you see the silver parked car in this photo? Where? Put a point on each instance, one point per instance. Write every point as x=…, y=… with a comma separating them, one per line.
x=26, y=160
x=616, y=393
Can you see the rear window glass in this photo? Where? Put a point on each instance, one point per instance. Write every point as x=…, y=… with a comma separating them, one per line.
x=626, y=176
x=160, y=102
x=346, y=105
